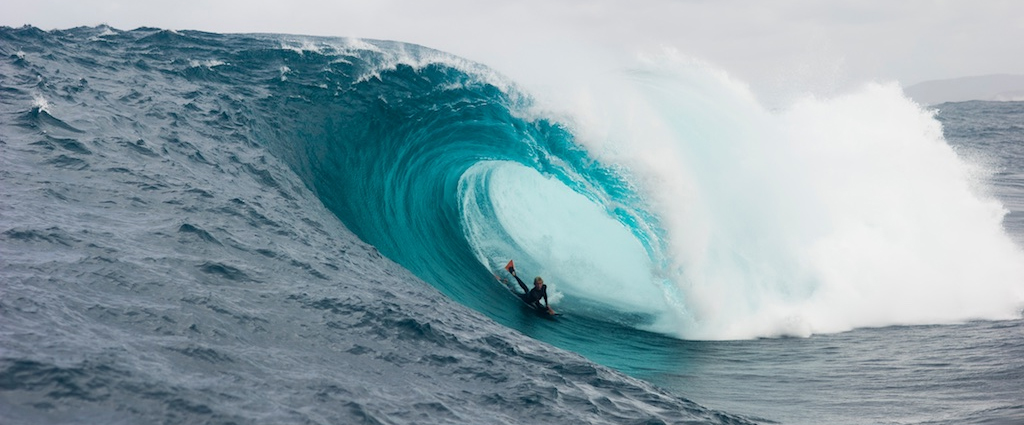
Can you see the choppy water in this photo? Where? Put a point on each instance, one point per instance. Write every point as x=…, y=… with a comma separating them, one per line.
x=204, y=228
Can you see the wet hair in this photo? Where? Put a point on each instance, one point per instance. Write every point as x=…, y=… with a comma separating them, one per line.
x=538, y=279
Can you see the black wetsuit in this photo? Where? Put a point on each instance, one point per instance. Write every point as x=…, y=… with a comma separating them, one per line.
x=533, y=296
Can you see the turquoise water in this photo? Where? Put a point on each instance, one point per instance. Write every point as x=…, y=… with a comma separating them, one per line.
x=263, y=228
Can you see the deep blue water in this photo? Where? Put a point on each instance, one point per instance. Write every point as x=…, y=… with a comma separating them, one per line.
x=206, y=228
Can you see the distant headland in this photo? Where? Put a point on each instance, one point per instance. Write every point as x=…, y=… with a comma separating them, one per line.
x=1001, y=87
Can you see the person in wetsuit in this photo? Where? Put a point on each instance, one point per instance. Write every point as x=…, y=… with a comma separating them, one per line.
x=533, y=296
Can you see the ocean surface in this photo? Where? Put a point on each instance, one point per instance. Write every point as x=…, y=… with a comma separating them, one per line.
x=210, y=228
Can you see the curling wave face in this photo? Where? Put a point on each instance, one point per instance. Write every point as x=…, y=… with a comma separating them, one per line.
x=439, y=164
x=684, y=210
x=688, y=210
x=162, y=261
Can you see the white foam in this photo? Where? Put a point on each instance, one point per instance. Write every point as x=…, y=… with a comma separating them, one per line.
x=39, y=103
x=209, y=63
x=418, y=58
x=392, y=56
x=821, y=216
x=107, y=32
x=301, y=46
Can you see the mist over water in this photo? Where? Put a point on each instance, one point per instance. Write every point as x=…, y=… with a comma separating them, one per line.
x=821, y=215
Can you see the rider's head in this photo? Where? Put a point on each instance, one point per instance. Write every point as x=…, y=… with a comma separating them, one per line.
x=537, y=281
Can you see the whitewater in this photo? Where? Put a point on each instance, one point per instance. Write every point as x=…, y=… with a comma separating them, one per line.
x=208, y=228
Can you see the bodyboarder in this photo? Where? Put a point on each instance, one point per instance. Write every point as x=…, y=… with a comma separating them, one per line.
x=533, y=296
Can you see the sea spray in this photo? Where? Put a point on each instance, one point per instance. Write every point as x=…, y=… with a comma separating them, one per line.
x=823, y=216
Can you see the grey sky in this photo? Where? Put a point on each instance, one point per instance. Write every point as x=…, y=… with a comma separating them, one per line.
x=790, y=43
